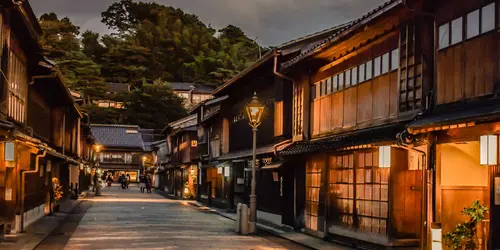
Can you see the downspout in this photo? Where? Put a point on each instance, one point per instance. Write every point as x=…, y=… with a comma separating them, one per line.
x=64, y=133
x=23, y=180
x=424, y=203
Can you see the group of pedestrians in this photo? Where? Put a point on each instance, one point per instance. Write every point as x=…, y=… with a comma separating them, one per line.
x=145, y=183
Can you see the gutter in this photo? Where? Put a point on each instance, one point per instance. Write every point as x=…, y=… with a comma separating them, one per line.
x=23, y=181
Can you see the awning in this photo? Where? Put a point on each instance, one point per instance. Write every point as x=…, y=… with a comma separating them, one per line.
x=247, y=153
x=348, y=139
x=224, y=164
x=35, y=143
x=273, y=165
x=455, y=119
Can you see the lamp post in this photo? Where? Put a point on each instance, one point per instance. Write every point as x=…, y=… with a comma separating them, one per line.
x=97, y=149
x=254, y=112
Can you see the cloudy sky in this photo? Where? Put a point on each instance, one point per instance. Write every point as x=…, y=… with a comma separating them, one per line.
x=273, y=21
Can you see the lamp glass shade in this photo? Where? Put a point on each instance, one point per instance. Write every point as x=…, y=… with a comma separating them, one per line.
x=488, y=145
x=384, y=156
x=255, y=111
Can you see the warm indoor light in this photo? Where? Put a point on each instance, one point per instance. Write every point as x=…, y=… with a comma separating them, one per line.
x=384, y=156
x=488, y=145
x=254, y=111
x=97, y=148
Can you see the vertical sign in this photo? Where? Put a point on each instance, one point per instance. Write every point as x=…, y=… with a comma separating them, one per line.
x=8, y=194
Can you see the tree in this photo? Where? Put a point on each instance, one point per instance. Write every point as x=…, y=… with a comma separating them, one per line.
x=152, y=105
x=61, y=44
x=92, y=47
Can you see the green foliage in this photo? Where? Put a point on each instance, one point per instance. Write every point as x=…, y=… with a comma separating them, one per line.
x=464, y=234
x=61, y=44
x=152, y=42
x=152, y=105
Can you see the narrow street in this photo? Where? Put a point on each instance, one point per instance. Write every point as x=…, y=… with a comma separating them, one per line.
x=128, y=219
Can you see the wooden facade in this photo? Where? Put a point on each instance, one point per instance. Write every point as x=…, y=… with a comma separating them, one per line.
x=40, y=122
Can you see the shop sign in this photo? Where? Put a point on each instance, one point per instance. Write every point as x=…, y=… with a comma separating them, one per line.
x=226, y=172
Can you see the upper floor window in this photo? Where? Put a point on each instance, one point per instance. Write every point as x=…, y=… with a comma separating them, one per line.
x=380, y=65
x=475, y=23
x=18, y=78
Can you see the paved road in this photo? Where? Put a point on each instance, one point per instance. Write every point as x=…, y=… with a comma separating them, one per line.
x=128, y=219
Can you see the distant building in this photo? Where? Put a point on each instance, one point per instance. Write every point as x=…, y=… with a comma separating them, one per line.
x=192, y=93
x=122, y=151
x=113, y=88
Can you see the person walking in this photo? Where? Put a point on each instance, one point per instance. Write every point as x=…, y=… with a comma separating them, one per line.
x=149, y=184
x=109, y=180
x=142, y=183
x=128, y=181
x=96, y=182
x=123, y=181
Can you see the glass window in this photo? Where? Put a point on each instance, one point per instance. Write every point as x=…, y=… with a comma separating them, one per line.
x=347, y=78
x=321, y=89
x=395, y=59
x=341, y=80
x=362, y=72
x=369, y=66
x=473, y=24
x=335, y=83
x=328, y=83
x=444, y=36
x=376, y=66
x=456, y=31
x=313, y=91
x=488, y=18
x=354, y=75
x=385, y=63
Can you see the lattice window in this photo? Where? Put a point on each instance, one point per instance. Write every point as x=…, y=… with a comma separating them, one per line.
x=298, y=103
x=313, y=185
x=359, y=192
x=18, y=83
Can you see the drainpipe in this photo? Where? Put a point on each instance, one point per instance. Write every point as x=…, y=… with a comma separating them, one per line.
x=64, y=133
x=424, y=224
x=275, y=69
x=23, y=181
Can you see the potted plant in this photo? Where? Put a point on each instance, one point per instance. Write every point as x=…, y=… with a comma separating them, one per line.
x=58, y=194
x=464, y=236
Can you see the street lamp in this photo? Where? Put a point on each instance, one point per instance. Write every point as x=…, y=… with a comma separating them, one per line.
x=254, y=112
x=97, y=149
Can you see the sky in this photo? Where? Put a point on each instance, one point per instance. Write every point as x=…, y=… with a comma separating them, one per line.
x=272, y=21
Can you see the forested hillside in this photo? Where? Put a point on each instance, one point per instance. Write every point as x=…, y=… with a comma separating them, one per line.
x=152, y=45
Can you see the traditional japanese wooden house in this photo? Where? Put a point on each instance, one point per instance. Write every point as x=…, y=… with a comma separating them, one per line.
x=40, y=123
x=353, y=93
x=122, y=150
x=182, y=167
x=463, y=125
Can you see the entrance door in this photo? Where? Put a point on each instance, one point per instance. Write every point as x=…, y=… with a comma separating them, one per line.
x=313, y=185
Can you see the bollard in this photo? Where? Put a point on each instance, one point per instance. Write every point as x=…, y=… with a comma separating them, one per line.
x=98, y=188
x=244, y=219
x=238, y=218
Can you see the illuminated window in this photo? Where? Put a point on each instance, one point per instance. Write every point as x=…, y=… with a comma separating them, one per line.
x=369, y=67
x=376, y=66
x=354, y=75
x=18, y=83
x=385, y=63
x=347, y=78
x=395, y=59
x=362, y=73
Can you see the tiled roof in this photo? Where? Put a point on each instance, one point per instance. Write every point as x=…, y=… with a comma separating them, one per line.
x=358, y=137
x=117, y=136
x=186, y=86
x=341, y=32
x=117, y=87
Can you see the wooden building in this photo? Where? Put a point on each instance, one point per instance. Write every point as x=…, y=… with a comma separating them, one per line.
x=40, y=124
x=461, y=129
x=353, y=93
x=181, y=174
x=122, y=150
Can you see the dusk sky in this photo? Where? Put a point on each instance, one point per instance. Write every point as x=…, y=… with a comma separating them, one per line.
x=273, y=21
